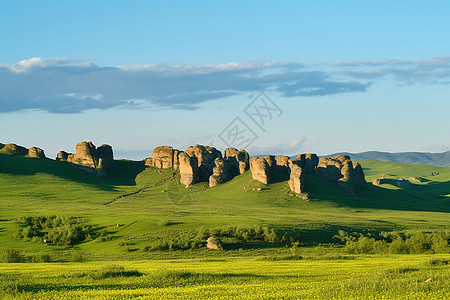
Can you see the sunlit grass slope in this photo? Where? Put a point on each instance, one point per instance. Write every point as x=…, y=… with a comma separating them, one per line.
x=34, y=187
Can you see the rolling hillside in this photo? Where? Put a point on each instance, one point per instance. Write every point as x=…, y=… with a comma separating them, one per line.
x=158, y=206
x=434, y=159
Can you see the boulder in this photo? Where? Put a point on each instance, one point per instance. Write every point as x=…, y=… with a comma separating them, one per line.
x=206, y=157
x=62, y=156
x=237, y=160
x=188, y=169
x=90, y=158
x=353, y=176
x=220, y=173
x=213, y=243
x=260, y=169
x=148, y=162
x=283, y=164
x=14, y=149
x=296, y=180
x=163, y=157
x=105, y=154
x=36, y=152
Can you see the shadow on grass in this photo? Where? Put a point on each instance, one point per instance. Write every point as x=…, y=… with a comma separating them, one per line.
x=123, y=173
x=416, y=197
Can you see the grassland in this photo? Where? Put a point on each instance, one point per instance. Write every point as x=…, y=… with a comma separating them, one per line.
x=374, y=277
x=164, y=209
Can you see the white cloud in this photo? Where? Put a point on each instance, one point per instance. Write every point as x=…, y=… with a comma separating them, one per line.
x=73, y=86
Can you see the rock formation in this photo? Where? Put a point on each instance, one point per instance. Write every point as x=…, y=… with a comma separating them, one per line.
x=163, y=157
x=349, y=175
x=176, y=162
x=353, y=176
x=296, y=179
x=188, y=169
x=13, y=149
x=206, y=157
x=90, y=158
x=36, y=152
x=260, y=169
x=237, y=160
x=205, y=164
x=213, y=243
x=308, y=162
x=271, y=162
x=283, y=164
x=220, y=173
x=148, y=162
x=329, y=168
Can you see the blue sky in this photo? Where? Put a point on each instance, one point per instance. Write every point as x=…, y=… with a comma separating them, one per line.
x=345, y=75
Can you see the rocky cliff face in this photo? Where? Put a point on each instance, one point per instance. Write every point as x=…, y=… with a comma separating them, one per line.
x=205, y=164
x=90, y=158
x=163, y=157
x=13, y=149
x=296, y=179
x=220, y=173
x=349, y=175
x=238, y=160
x=260, y=169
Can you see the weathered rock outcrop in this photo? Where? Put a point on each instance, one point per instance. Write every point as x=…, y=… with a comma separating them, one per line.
x=188, y=169
x=148, y=162
x=36, y=152
x=329, y=168
x=163, y=157
x=176, y=162
x=206, y=157
x=260, y=169
x=13, y=149
x=237, y=160
x=307, y=161
x=271, y=162
x=283, y=163
x=220, y=173
x=353, y=176
x=90, y=158
x=348, y=174
x=296, y=180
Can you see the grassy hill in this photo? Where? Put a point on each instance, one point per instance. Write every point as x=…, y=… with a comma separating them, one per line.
x=425, y=158
x=128, y=245
x=36, y=187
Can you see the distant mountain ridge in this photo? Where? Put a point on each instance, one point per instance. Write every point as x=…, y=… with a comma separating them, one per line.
x=425, y=158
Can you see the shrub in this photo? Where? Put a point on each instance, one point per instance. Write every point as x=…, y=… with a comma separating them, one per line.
x=12, y=256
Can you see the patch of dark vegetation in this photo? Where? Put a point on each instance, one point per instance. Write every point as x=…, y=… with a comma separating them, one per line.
x=395, y=242
x=231, y=237
x=59, y=230
x=15, y=256
x=404, y=270
x=109, y=272
x=283, y=257
x=439, y=262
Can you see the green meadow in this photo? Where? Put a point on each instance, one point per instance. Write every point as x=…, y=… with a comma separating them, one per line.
x=137, y=232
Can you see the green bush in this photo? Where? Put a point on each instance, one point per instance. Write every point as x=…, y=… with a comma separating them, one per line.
x=395, y=243
x=12, y=256
x=61, y=230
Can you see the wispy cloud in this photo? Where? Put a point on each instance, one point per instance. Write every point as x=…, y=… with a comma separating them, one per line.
x=65, y=85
